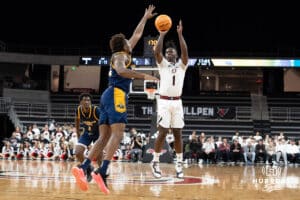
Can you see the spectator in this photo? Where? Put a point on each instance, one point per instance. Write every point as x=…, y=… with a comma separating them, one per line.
x=36, y=131
x=196, y=150
x=136, y=149
x=236, y=151
x=257, y=136
x=193, y=136
x=209, y=150
x=224, y=150
x=260, y=151
x=281, y=151
x=293, y=152
x=270, y=149
x=237, y=137
x=249, y=153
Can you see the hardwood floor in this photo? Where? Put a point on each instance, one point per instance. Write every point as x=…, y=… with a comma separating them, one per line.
x=35, y=180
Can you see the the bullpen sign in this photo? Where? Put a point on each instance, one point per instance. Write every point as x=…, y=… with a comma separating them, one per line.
x=190, y=111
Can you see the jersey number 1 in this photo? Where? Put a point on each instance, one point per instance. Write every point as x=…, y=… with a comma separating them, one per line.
x=173, y=80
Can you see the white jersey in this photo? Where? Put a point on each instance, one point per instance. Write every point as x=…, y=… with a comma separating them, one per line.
x=171, y=78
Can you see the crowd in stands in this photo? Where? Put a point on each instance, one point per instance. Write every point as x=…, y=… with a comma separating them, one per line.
x=55, y=142
x=248, y=150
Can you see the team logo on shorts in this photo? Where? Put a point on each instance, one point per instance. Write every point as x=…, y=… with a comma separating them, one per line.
x=121, y=106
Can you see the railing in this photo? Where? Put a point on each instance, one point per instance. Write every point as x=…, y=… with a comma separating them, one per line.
x=45, y=110
x=5, y=103
x=15, y=119
x=67, y=111
x=288, y=114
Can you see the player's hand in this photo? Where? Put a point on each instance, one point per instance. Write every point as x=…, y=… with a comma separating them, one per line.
x=151, y=78
x=148, y=12
x=179, y=27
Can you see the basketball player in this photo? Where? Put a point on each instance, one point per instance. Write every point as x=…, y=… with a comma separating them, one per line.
x=169, y=104
x=113, y=103
x=86, y=124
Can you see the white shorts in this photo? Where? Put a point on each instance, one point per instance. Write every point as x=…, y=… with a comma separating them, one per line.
x=170, y=113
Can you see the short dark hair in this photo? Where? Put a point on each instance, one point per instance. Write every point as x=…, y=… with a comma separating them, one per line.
x=170, y=44
x=117, y=42
x=82, y=95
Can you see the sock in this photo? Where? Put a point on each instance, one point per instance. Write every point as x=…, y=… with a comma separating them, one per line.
x=104, y=167
x=156, y=157
x=179, y=157
x=85, y=164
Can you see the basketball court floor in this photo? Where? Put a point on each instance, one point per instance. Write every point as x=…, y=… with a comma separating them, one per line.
x=35, y=180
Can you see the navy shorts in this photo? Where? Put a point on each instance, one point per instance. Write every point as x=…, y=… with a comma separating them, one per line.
x=113, y=106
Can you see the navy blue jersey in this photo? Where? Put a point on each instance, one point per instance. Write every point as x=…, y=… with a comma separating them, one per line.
x=115, y=80
x=89, y=118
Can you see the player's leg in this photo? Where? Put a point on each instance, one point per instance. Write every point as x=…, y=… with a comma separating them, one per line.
x=177, y=123
x=179, y=151
x=81, y=146
x=78, y=173
x=112, y=146
x=100, y=179
x=158, y=145
x=163, y=122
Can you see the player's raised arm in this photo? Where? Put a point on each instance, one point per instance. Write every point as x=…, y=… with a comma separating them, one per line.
x=138, y=32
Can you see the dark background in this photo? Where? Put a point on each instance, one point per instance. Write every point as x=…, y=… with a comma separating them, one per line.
x=213, y=28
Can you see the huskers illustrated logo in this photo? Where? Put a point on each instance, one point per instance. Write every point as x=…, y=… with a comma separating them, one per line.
x=222, y=111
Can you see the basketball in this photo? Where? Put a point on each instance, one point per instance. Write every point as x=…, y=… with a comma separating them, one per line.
x=163, y=22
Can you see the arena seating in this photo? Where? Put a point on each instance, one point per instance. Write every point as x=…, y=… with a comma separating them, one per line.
x=285, y=118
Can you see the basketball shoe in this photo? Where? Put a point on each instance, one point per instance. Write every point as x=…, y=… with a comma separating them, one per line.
x=79, y=175
x=100, y=179
x=178, y=168
x=155, y=169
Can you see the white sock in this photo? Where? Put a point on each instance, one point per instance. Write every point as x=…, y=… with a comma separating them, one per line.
x=179, y=157
x=156, y=157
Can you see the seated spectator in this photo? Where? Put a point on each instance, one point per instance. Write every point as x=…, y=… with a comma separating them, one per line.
x=267, y=138
x=236, y=151
x=260, y=151
x=7, y=151
x=45, y=134
x=237, y=137
x=281, y=149
x=257, y=136
x=17, y=134
x=209, y=150
x=243, y=142
x=202, y=137
x=196, y=150
x=224, y=150
x=281, y=136
x=136, y=149
x=293, y=152
x=193, y=135
x=270, y=149
x=219, y=141
x=36, y=132
x=249, y=153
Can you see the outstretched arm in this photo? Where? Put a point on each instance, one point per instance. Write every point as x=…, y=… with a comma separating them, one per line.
x=138, y=32
x=183, y=46
x=119, y=66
